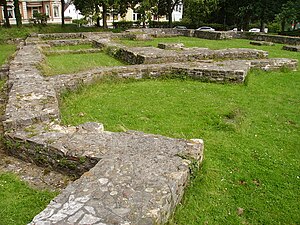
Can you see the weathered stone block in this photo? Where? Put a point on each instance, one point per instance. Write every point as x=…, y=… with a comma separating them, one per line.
x=173, y=46
x=261, y=43
x=294, y=48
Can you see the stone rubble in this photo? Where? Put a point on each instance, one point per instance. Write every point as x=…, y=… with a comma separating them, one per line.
x=123, y=178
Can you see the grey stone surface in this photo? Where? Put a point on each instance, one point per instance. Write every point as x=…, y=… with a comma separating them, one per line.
x=139, y=180
x=294, y=48
x=170, y=45
x=31, y=99
x=261, y=43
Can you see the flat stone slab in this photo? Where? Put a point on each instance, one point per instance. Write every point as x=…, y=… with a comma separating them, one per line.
x=262, y=43
x=174, y=46
x=139, y=180
x=294, y=48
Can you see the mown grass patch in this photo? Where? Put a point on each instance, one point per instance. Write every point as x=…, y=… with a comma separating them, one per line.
x=251, y=169
x=20, y=203
x=5, y=52
x=72, y=63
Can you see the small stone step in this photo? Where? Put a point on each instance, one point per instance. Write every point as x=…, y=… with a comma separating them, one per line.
x=262, y=43
x=294, y=48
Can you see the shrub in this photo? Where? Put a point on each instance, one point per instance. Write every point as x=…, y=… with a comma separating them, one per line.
x=123, y=25
x=39, y=18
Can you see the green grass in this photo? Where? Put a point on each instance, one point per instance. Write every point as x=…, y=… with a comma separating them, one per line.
x=71, y=63
x=19, y=203
x=5, y=52
x=72, y=47
x=251, y=135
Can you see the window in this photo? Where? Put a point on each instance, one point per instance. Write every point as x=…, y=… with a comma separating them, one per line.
x=10, y=13
x=134, y=16
x=47, y=11
x=56, y=11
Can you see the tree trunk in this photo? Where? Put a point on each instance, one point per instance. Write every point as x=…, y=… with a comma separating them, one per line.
x=7, y=24
x=170, y=13
x=104, y=12
x=282, y=24
x=17, y=13
x=62, y=12
x=98, y=21
x=262, y=25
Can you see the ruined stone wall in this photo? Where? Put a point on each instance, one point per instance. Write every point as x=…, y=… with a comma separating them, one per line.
x=272, y=38
x=214, y=35
x=60, y=36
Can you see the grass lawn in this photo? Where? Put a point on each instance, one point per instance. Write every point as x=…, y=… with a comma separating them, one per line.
x=71, y=63
x=5, y=52
x=251, y=134
x=19, y=203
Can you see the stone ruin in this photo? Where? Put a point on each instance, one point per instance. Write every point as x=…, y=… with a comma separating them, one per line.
x=123, y=178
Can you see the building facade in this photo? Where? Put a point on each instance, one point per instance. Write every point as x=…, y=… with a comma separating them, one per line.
x=51, y=8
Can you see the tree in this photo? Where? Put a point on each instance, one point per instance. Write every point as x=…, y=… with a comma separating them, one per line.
x=169, y=8
x=144, y=9
x=4, y=4
x=267, y=10
x=17, y=13
x=199, y=11
x=290, y=13
x=62, y=12
x=95, y=7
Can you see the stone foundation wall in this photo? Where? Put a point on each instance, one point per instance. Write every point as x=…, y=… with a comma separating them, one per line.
x=151, y=55
x=80, y=51
x=272, y=38
x=60, y=36
x=292, y=48
x=214, y=35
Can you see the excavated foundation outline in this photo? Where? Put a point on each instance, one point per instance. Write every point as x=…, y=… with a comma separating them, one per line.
x=125, y=178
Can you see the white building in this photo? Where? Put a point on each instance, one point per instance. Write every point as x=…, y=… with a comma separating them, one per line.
x=72, y=12
x=131, y=15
